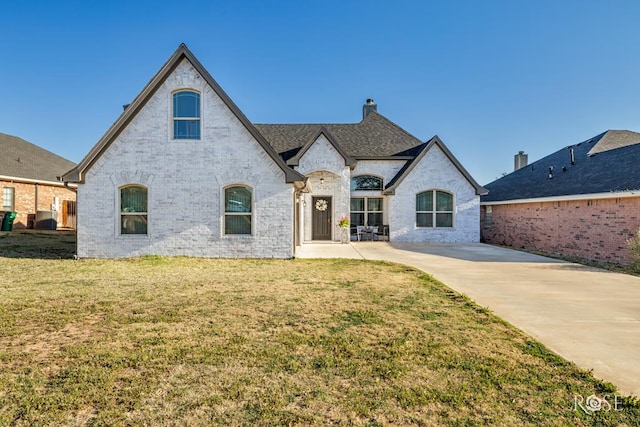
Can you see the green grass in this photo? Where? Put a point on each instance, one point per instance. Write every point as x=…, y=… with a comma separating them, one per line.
x=179, y=341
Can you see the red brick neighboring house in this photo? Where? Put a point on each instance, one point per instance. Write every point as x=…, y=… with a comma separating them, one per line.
x=581, y=201
x=29, y=185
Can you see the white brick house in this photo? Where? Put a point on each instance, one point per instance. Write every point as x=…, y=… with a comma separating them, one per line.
x=184, y=172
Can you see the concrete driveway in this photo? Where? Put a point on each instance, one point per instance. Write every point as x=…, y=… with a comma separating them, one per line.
x=586, y=315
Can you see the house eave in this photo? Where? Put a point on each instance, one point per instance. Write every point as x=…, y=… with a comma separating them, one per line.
x=31, y=181
x=401, y=158
x=72, y=176
x=568, y=197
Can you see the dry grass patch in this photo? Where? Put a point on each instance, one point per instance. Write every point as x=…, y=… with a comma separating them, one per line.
x=177, y=341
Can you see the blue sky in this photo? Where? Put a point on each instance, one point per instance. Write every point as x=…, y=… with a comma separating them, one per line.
x=489, y=77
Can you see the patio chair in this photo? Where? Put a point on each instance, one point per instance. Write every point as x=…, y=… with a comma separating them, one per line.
x=384, y=233
x=373, y=232
x=359, y=232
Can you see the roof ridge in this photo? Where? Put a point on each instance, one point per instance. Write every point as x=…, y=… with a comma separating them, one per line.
x=396, y=126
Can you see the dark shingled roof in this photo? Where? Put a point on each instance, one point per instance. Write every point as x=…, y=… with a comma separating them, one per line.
x=605, y=163
x=22, y=159
x=375, y=136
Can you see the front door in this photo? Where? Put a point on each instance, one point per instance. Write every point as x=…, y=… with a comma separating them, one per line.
x=321, y=207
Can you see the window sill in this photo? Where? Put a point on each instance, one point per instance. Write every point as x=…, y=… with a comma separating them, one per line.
x=434, y=228
x=239, y=236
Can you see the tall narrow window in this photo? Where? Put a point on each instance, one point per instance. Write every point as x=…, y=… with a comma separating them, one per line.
x=8, y=199
x=434, y=209
x=186, y=115
x=237, y=210
x=133, y=210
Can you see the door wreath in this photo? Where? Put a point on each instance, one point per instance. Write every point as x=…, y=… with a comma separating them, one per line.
x=321, y=205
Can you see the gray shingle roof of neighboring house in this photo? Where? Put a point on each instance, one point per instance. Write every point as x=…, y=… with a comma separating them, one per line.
x=22, y=159
x=605, y=163
x=375, y=136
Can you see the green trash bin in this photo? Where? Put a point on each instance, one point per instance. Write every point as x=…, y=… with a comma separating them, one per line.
x=7, y=221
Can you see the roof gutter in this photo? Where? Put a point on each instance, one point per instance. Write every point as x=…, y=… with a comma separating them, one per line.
x=30, y=181
x=570, y=197
x=68, y=187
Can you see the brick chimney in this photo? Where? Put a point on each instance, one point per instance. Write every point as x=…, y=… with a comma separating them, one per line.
x=368, y=107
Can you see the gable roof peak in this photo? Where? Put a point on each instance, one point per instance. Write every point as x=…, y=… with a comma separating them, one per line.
x=322, y=130
x=612, y=139
x=77, y=174
x=423, y=149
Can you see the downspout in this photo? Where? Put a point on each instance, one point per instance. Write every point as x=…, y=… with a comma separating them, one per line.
x=66, y=185
x=75, y=190
x=296, y=218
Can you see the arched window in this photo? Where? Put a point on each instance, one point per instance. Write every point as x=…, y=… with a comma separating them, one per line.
x=186, y=115
x=366, y=182
x=434, y=208
x=237, y=210
x=133, y=210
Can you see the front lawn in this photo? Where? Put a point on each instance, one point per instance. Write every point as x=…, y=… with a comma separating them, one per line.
x=180, y=341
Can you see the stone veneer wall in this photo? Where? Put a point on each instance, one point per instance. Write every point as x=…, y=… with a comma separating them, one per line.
x=186, y=181
x=594, y=229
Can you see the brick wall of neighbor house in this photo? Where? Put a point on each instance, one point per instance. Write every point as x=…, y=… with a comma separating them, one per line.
x=25, y=200
x=435, y=171
x=591, y=229
x=185, y=182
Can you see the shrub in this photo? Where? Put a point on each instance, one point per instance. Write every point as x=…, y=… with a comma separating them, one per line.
x=634, y=249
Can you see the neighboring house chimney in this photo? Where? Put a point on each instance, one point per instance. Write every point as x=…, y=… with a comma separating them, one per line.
x=368, y=107
x=520, y=160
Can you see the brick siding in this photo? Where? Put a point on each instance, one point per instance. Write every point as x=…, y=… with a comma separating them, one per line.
x=185, y=181
x=435, y=171
x=25, y=200
x=591, y=229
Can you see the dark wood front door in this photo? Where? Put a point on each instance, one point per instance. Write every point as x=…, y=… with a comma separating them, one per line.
x=321, y=208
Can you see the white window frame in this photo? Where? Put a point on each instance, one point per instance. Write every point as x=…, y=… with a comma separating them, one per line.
x=250, y=214
x=9, y=192
x=435, y=210
x=173, y=118
x=366, y=210
x=119, y=213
